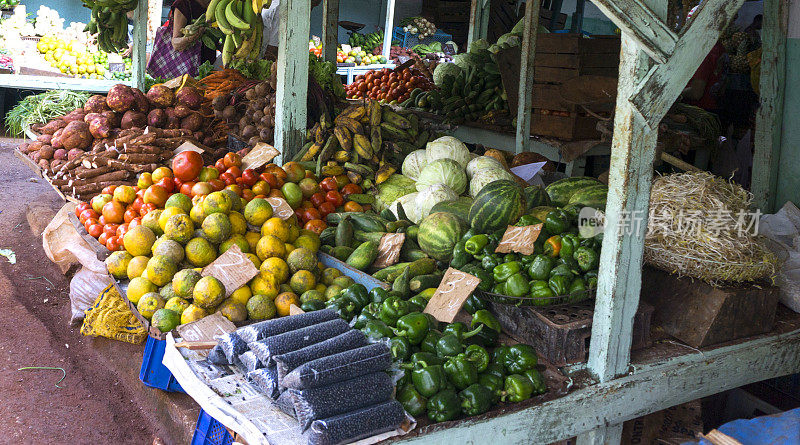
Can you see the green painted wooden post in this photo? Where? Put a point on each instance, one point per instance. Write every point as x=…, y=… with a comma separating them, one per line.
x=138, y=51
x=330, y=29
x=388, y=30
x=636, y=19
x=528, y=50
x=292, y=88
x=769, y=118
x=478, y=20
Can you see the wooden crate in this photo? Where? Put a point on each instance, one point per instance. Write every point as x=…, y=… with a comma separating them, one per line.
x=701, y=315
x=568, y=128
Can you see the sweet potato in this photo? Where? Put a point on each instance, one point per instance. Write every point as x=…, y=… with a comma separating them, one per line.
x=56, y=141
x=133, y=119
x=46, y=152
x=120, y=98
x=141, y=104
x=44, y=164
x=161, y=96
x=54, y=126
x=75, y=115
x=114, y=119
x=76, y=135
x=99, y=127
x=44, y=138
x=96, y=104
x=60, y=154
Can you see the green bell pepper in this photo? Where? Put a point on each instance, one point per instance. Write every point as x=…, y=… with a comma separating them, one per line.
x=475, y=244
x=376, y=330
x=478, y=356
x=526, y=261
x=552, y=246
x=556, y=222
x=460, y=256
x=536, y=377
x=569, y=244
x=494, y=383
x=429, y=342
x=362, y=319
x=406, y=378
x=444, y=406
x=559, y=284
x=392, y=309
x=474, y=304
x=540, y=267
x=509, y=257
x=587, y=258
x=499, y=288
x=400, y=348
x=413, y=326
x=460, y=330
x=460, y=371
x=344, y=308
x=475, y=399
x=419, y=302
x=487, y=280
x=517, y=388
x=469, y=234
x=591, y=279
x=490, y=333
x=517, y=285
x=527, y=220
x=541, y=293
x=577, y=289
x=372, y=309
x=378, y=294
x=312, y=305
x=496, y=368
x=429, y=380
x=483, y=316
x=486, y=338
x=520, y=358
x=499, y=355
x=413, y=402
x=426, y=358
x=357, y=294
x=449, y=345
x=562, y=269
x=503, y=271
x=489, y=262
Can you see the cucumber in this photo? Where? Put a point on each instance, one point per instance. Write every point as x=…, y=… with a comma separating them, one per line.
x=422, y=282
x=411, y=231
x=387, y=215
x=384, y=273
x=419, y=267
x=363, y=256
x=362, y=236
x=361, y=198
x=341, y=253
x=413, y=255
x=367, y=222
x=344, y=233
x=328, y=236
x=401, y=284
x=427, y=293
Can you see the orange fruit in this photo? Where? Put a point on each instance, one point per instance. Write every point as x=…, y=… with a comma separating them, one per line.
x=277, y=228
x=284, y=301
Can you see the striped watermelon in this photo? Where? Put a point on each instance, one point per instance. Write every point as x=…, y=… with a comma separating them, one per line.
x=536, y=196
x=459, y=207
x=438, y=234
x=498, y=204
x=562, y=190
x=592, y=196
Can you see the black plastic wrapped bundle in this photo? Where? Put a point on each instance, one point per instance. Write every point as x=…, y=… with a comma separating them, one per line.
x=266, y=379
x=270, y=347
x=357, y=425
x=342, y=397
x=250, y=362
x=231, y=345
x=268, y=328
x=339, y=367
x=285, y=403
x=349, y=340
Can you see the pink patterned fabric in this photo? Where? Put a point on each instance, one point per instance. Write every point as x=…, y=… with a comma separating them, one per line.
x=167, y=63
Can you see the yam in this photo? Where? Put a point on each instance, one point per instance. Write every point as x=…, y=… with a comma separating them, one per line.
x=75, y=115
x=96, y=104
x=54, y=126
x=46, y=152
x=192, y=122
x=56, y=140
x=140, y=101
x=120, y=98
x=44, y=138
x=190, y=97
x=133, y=119
x=60, y=154
x=76, y=135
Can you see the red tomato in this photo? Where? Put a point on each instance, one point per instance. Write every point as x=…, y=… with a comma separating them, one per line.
x=134, y=222
x=89, y=222
x=228, y=178
x=113, y=244
x=187, y=165
x=329, y=184
x=217, y=184
x=234, y=170
x=130, y=214
x=166, y=184
x=232, y=159
x=137, y=204
x=121, y=230
x=186, y=188
x=317, y=199
x=109, y=190
x=102, y=238
x=219, y=165
x=177, y=183
x=249, y=177
x=325, y=208
x=334, y=198
x=102, y=220
x=81, y=207
x=147, y=207
x=352, y=206
x=316, y=226
x=110, y=229
x=86, y=214
x=351, y=189
x=312, y=213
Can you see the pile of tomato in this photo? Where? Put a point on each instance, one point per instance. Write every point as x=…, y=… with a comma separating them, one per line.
x=388, y=85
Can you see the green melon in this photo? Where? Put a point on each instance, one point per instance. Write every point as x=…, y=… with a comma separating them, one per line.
x=593, y=196
x=562, y=190
x=459, y=207
x=536, y=196
x=438, y=234
x=497, y=205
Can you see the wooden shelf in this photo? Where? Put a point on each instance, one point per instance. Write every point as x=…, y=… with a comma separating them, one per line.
x=29, y=82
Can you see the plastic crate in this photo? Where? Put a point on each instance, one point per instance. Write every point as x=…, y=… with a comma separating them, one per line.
x=210, y=432
x=410, y=40
x=153, y=373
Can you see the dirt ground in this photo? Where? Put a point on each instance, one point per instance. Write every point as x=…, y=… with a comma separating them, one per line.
x=94, y=403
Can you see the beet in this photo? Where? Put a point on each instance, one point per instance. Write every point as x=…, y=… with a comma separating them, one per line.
x=96, y=104
x=55, y=141
x=157, y=118
x=141, y=103
x=59, y=154
x=99, y=127
x=161, y=96
x=46, y=152
x=133, y=119
x=190, y=97
x=74, y=153
x=114, y=119
x=53, y=126
x=120, y=98
x=192, y=122
x=182, y=111
x=76, y=135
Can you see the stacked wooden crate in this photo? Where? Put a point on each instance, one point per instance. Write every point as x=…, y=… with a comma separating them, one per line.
x=451, y=16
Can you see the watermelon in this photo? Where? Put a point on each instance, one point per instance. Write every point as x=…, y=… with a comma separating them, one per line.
x=497, y=205
x=535, y=196
x=592, y=196
x=458, y=207
x=562, y=190
x=438, y=234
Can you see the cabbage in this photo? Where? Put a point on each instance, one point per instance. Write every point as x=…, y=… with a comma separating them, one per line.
x=478, y=45
x=409, y=207
x=393, y=188
x=483, y=177
x=443, y=171
x=483, y=163
x=444, y=69
x=431, y=196
x=414, y=163
x=448, y=147
x=463, y=61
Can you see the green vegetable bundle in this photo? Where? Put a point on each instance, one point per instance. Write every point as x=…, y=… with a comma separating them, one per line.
x=42, y=108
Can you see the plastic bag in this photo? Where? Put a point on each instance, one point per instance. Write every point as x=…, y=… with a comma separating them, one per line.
x=356, y=425
x=266, y=379
x=84, y=288
x=250, y=362
x=339, y=398
x=270, y=347
x=338, y=367
x=783, y=229
x=110, y=317
x=268, y=328
x=231, y=347
x=285, y=403
x=349, y=340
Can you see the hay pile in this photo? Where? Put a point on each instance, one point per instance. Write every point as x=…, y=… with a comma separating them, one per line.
x=700, y=226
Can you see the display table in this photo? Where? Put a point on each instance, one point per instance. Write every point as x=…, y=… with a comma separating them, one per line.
x=30, y=82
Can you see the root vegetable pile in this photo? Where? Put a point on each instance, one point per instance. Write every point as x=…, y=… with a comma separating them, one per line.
x=250, y=113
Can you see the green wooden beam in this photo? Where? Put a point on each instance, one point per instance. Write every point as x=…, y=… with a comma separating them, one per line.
x=139, y=48
x=478, y=20
x=769, y=117
x=525, y=94
x=639, y=22
x=292, y=87
x=388, y=30
x=330, y=29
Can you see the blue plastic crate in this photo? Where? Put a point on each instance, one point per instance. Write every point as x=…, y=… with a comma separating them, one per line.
x=410, y=40
x=210, y=432
x=153, y=373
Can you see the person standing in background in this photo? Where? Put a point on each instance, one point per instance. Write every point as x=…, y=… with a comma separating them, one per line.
x=269, y=43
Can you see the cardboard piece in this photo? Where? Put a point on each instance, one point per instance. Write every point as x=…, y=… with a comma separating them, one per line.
x=280, y=208
x=232, y=268
x=206, y=329
x=389, y=250
x=519, y=239
x=675, y=425
x=455, y=288
x=294, y=310
x=260, y=155
x=188, y=146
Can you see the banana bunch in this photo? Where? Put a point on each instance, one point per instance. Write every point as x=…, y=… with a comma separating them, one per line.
x=365, y=141
x=110, y=23
x=240, y=23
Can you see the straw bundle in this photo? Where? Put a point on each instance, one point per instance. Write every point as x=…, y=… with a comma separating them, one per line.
x=700, y=226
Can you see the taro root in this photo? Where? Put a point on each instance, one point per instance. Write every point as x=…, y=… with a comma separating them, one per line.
x=90, y=117
x=53, y=126
x=192, y=122
x=140, y=101
x=99, y=127
x=74, y=153
x=161, y=96
x=261, y=89
x=120, y=98
x=190, y=97
x=46, y=152
x=257, y=115
x=173, y=121
x=96, y=104
x=76, y=135
x=243, y=122
x=265, y=134
x=114, y=119
x=157, y=117
x=249, y=131
x=182, y=111
x=253, y=141
x=59, y=154
x=133, y=119
x=55, y=141
x=44, y=138
x=75, y=115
